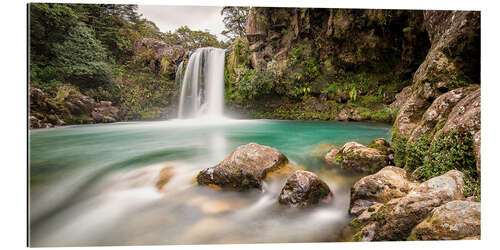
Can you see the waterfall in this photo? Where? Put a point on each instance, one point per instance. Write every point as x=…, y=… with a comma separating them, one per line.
x=202, y=91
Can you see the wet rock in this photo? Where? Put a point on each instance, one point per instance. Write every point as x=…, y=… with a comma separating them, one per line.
x=34, y=122
x=355, y=156
x=330, y=156
x=165, y=174
x=381, y=144
x=244, y=168
x=397, y=217
x=303, y=189
x=451, y=221
x=385, y=185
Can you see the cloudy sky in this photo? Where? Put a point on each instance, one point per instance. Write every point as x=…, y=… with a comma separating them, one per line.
x=169, y=18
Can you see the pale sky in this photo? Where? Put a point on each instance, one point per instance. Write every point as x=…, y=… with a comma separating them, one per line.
x=169, y=18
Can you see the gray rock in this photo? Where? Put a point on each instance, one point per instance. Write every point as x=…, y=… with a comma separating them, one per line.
x=303, y=189
x=454, y=220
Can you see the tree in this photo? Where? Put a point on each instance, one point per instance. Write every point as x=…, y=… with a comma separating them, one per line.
x=192, y=39
x=81, y=59
x=235, y=19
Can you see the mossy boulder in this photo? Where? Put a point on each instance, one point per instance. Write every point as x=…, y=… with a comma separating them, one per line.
x=330, y=156
x=454, y=220
x=395, y=219
x=389, y=183
x=244, y=168
x=303, y=189
x=355, y=156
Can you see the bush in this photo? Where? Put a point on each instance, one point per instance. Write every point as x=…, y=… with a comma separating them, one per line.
x=416, y=152
x=398, y=144
x=82, y=60
x=254, y=84
x=448, y=152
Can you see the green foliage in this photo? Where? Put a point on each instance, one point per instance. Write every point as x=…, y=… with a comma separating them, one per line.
x=235, y=19
x=81, y=59
x=398, y=144
x=416, y=152
x=428, y=159
x=452, y=151
x=353, y=94
x=384, y=115
x=254, y=83
x=192, y=39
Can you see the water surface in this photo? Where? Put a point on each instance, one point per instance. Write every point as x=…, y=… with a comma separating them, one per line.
x=93, y=185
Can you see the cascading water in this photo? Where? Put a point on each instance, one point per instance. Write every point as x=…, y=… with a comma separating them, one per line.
x=202, y=91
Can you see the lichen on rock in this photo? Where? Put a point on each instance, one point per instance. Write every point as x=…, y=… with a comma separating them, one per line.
x=244, y=168
x=303, y=189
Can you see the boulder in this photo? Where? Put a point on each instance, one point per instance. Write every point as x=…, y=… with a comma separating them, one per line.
x=330, y=156
x=244, y=168
x=381, y=144
x=395, y=220
x=355, y=156
x=454, y=220
x=385, y=185
x=303, y=189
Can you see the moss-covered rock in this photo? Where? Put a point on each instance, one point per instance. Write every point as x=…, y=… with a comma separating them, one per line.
x=454, y=220
x=381, y=187
x=303, y=189
x=244, y=168
x=395, y=219
x=355, y=156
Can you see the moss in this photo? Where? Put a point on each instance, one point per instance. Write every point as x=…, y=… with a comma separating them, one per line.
x=452, y=151
x=357, y=237
x=399, y=146
x=416, y=153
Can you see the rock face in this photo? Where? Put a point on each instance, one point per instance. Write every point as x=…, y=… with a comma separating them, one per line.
x=452, y=60
x=303, y=189
x=160, y=56
x=244, y=168
x=355, y=156
x=351, y=38
x=379, y=188
x=394, y=219
x=438, y=112
x=454, y=220
x=74, y=108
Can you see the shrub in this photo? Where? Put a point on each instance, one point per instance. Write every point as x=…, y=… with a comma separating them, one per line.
x=416, y=152
x=452, y=151
x=399, y=146
x=82, y=60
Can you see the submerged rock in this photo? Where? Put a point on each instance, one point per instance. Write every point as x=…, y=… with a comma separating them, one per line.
x=303, y=189
x=454, y=220
x=385, y=185
x=331, y=155
x=244, y=168
x=355, y=156
x=164, y=176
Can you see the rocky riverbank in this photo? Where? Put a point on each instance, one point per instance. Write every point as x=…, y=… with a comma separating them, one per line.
x=387, y=205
